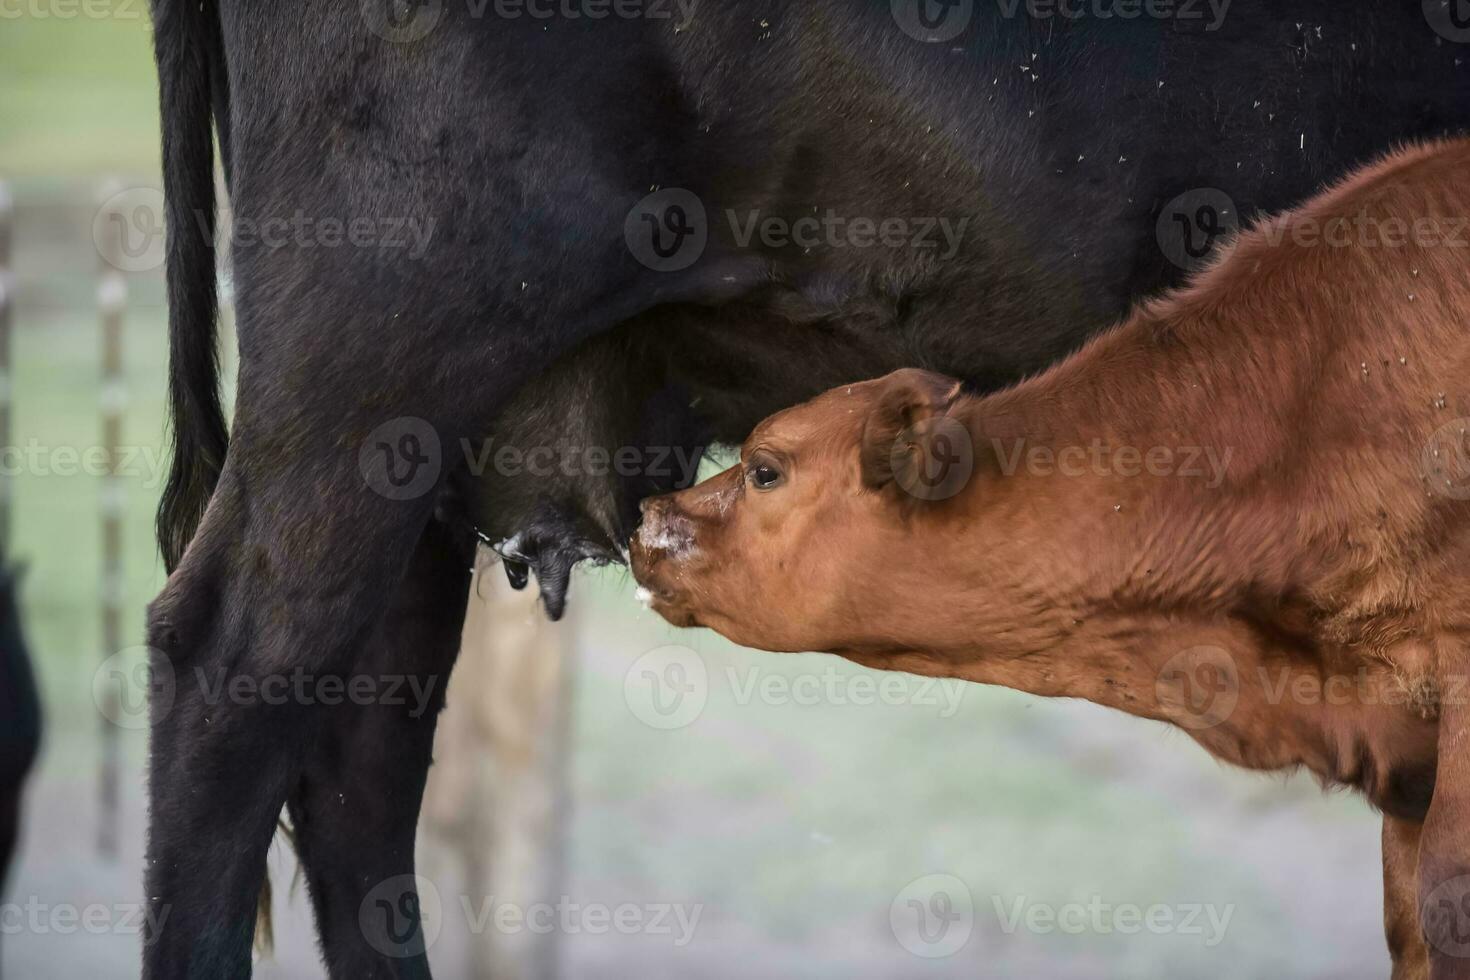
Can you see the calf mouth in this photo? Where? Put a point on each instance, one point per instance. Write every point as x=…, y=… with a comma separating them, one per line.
x=669, y=604
x=647, y=565
x=657, y=556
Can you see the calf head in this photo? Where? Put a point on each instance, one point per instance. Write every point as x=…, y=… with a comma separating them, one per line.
x=821, y=537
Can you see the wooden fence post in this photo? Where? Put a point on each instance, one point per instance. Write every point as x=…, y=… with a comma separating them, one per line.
x=7, y=289
x=497, y=795
x=112, y=298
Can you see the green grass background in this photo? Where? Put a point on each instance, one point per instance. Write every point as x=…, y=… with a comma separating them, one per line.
x=77, y=95
x=78, y=105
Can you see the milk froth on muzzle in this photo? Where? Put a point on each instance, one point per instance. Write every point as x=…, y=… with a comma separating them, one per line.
x=664, y=533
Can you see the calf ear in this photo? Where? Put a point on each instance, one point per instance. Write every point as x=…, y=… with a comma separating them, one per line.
x=909, y=439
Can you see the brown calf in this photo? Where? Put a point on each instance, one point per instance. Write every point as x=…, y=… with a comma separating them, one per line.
x=1245, y=511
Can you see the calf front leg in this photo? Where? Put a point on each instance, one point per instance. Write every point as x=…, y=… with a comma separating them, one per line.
x=1444, y=847
x=1401, y=899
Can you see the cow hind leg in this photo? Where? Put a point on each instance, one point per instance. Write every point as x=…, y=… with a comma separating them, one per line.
x=9, y=830
x=355, y=807
x=275, y=604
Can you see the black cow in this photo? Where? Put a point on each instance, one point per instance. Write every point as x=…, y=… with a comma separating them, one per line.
x=20, y=716
x=596, y=261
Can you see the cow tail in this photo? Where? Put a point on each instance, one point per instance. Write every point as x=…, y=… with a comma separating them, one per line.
x=185, y=34
x=185, y=38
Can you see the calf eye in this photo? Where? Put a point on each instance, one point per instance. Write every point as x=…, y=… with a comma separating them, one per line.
x=764, y=476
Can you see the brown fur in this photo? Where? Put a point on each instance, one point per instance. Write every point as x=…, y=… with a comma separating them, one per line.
x=1310, y=606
